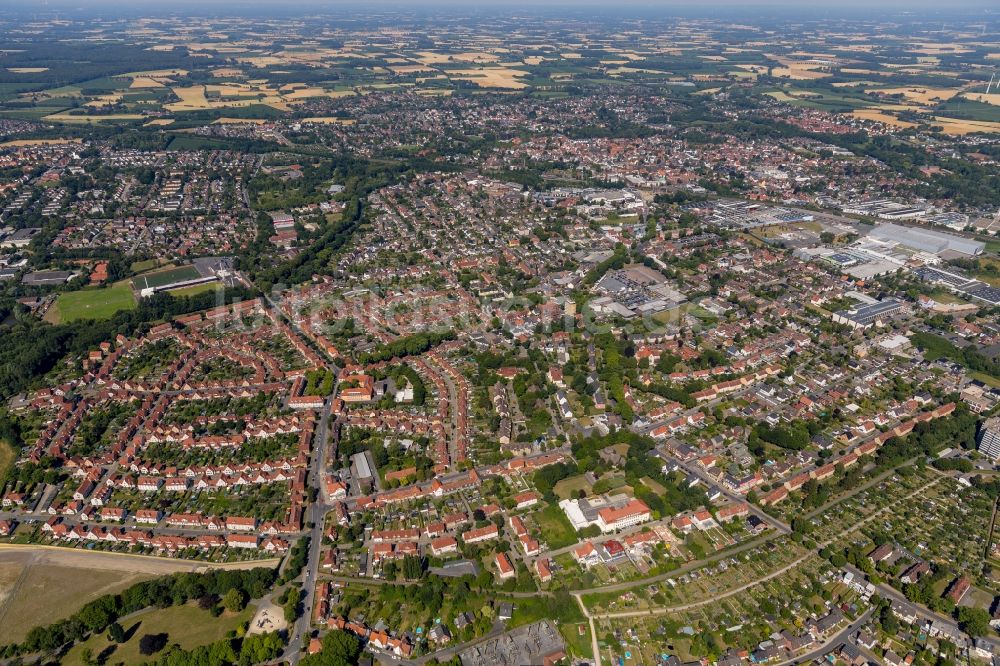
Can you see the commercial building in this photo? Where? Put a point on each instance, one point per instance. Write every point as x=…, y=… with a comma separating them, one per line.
x=865, y=316
x=925, y=239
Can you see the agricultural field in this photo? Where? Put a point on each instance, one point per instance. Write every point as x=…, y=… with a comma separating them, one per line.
x=234, y=78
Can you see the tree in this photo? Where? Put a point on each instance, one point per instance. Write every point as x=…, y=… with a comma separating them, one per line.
x=801, y=525
x=152, y=643
x=260, y=648
x=98, y=614
x=888, y=620
x=234, y=600
x=292, y=604
x=116, y=633
x=973, y=621
x=412, y=567
x=339, y=649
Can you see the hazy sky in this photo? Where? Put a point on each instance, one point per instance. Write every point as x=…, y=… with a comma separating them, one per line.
x=807, y=6
x=987, y=11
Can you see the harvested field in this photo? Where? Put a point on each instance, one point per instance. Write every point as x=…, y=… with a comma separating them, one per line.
x=36, y=142
x=492, y=77
x=148, y=82
x=436, y=58
x=960, y=127
x=925, y=96
x=991, y=98
x=882, y=117
x=798, y=73
x=71, y=119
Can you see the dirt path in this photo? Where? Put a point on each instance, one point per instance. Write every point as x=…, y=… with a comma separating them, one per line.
x=89, y=559
x=704, y=602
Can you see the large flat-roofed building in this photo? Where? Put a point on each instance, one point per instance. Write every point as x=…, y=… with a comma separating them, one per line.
x=46, y=278
x=865, y=316
x=20, y=237
x=360, y=461
x=925, y=239
x=988, y=438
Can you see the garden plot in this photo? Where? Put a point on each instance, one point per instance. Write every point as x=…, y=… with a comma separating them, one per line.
x=147, y=361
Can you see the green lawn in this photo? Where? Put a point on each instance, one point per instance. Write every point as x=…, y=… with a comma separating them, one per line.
x=143, y=266
x=196, y=289
x=556, y=529
x=97, y=303
x=579, y=644
x=533, y=609
x=944, y=296
x=6, y=457
x=567, y=488
x=187, y=626
x=986, y=379
x=653, y=485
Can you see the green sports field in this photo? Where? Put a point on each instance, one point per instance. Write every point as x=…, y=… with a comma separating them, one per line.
x=98, y=303
x=165, y=277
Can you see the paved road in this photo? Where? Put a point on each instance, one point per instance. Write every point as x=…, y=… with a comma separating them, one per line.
x=315, y=514
x=453, y=398
x=922, y=612
x=497, y=629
